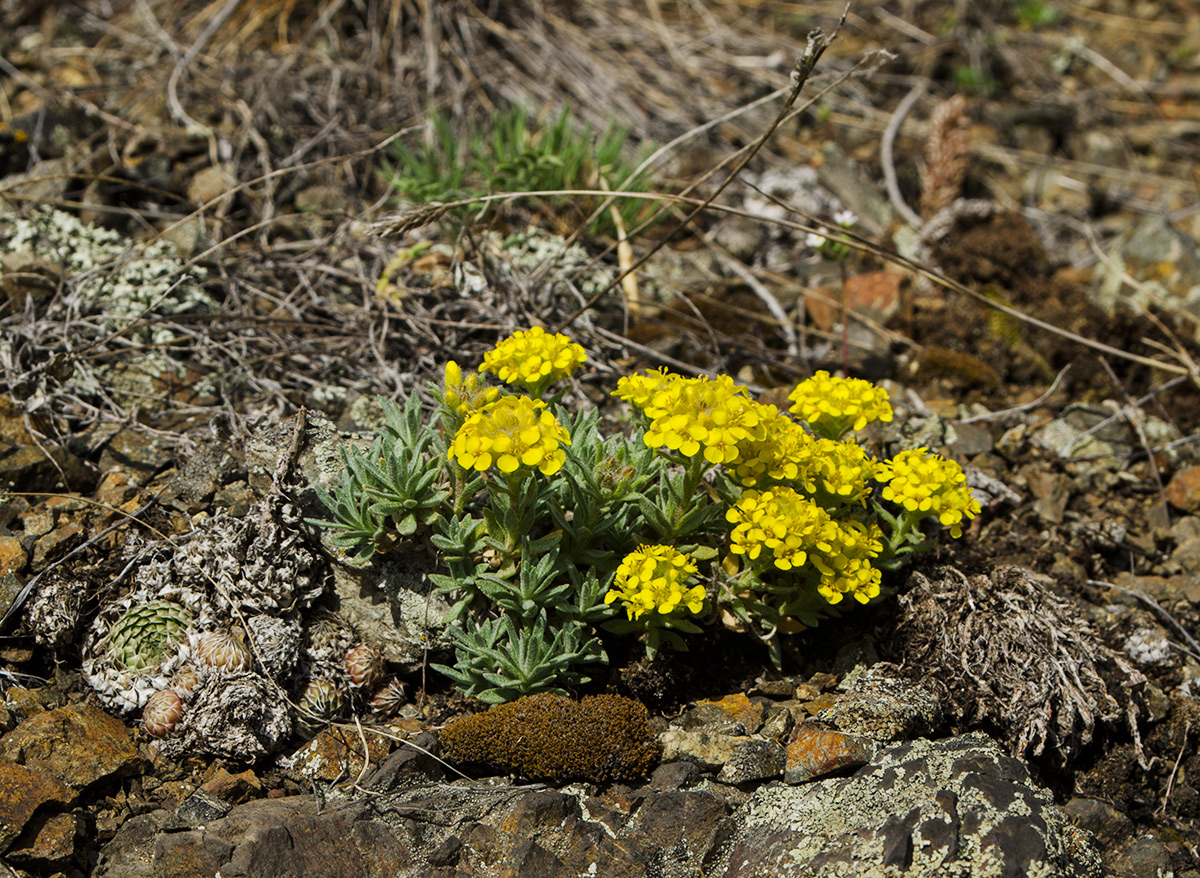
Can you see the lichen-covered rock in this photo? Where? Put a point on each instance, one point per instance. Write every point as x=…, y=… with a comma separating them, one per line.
x=884, y=706
x=601, y=738
x=757, y=759
x=135, y=282
x=959, y=807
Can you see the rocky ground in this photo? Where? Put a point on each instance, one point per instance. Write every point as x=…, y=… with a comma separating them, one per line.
x=205, y=286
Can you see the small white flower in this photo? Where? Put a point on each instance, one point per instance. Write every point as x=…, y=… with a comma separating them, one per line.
x=817, y=239
x=846, y=219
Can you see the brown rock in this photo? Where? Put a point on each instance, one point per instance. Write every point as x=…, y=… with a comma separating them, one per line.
x=28, y=702
x=738, y=707
x=48, y=841
x=24, y=466
x=431, y=831
x=335, y=754
x=234, y=788
x=79, y=744
x=814, y=751
x=57, y=543
x=22, y=791
x=875, y=295
x=12, y=556
x=1183, y=492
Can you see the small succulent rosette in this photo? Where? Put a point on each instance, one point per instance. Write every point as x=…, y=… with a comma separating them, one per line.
x=138, y=643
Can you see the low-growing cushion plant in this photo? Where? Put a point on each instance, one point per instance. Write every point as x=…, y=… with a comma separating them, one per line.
x=712, y=508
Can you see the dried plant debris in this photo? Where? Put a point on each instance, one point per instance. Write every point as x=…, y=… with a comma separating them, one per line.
x=947, y=155
x=89, y=278
x=1003, y=651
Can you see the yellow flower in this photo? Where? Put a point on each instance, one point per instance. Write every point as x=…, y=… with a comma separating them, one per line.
x=638, y=389
x=929, y=485
x=848, y=570
x=834, y=406
x=782, y=522
x=512, y=432
x=841, y=469
x=797, y=532
x=534, y=359
x=778, y=449
x=463, y=395
x=690, y=415
x=655, y=579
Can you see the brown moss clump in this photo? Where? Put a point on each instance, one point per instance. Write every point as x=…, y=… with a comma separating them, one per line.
x=601, y=738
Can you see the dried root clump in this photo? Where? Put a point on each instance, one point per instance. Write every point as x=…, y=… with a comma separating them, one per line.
x=602, y=738
x=1003, y=651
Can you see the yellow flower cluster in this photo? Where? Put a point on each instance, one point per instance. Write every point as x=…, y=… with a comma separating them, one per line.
x=533, y=358
x=463, y=395
x=690, y=415
x=834, y=406
x=637, y=390
x=779, y=450
x=512, y=432
x=796, y=531
x=785, y=523
x=929, y=484
x=655, y=579
x=841, y=469
x=848, y=569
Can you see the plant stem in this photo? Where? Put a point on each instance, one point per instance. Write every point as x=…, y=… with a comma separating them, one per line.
x=845, y=321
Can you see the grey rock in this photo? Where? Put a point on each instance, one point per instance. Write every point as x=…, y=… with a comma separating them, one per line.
x=988, y=490
x=754, y=760
x=674, y=776
x=885, y=707
x=1085, y=431
x=855, y=189
x=703, y=748
x=955, y=807
x=1143, y=252
x=777, y=723
x=1145, y=857
x=414, y=762
x=199, y=808
x=393, y=605
x=212, y=466
x=439, y=829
